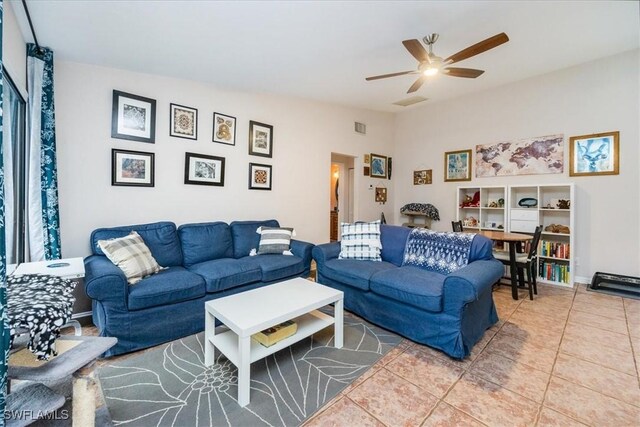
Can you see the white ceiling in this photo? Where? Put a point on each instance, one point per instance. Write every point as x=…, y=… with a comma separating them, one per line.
x=324, y=50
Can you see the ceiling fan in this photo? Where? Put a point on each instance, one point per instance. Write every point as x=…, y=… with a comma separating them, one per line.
x=429, y=64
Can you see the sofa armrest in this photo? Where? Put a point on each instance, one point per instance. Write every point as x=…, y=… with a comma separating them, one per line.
x=465, y=285
x=325, y=252
x=303, y=250
x=104, y=281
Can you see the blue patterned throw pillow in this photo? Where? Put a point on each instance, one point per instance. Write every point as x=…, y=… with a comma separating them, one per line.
x=441, y=252
x=360, y=241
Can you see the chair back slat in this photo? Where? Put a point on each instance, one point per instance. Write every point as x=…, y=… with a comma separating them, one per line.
x=457, y=226
x=533, y=251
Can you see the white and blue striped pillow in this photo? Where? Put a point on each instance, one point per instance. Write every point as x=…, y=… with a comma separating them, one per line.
x=275, y=240
x=360, y=241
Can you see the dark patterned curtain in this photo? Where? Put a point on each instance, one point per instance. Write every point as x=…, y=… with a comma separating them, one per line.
x=4, y=328
x=44, y=220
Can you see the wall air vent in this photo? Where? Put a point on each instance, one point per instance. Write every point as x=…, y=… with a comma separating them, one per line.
x=361, y=128
x=410, y=101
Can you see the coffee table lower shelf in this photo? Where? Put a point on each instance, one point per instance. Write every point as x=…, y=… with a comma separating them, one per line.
x=308, y=324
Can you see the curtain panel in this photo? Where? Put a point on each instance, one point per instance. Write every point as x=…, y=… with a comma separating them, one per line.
x=42, y=194
x=4, y=329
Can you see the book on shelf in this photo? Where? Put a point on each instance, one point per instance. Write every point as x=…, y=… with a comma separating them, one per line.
x=554, y=272
x=555, y=249
x=276, y=333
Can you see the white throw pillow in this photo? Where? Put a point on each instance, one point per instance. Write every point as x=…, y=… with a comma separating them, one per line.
x=360, y=241
x=131, y=255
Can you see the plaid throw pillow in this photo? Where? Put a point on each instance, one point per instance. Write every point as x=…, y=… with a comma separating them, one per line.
x=131, y=255
x=360, y=241
x=275, y=240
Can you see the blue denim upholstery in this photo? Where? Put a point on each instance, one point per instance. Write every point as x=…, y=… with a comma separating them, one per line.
x=160, y=237
x=450, y=313
x=245, y=237
x=170, y=304
x=196, y=242
x=221, y=274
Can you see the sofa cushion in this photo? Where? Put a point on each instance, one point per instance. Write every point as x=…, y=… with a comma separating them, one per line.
x=481, y=249
x=275, y=267
x=412, y=285
x=160, y=237
x=355, y=273
x=360, y=241
x=169, y=286
x=226, y=273
x=245, y=237
x=275, y=240
x=394, y=241
x=205, y=242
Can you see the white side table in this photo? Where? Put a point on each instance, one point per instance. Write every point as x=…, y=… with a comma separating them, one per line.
x=69, y=268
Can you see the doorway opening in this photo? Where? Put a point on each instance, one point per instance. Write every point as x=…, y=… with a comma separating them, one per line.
x=341, y=198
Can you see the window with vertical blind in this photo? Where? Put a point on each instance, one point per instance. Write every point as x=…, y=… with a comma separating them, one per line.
x=14, y=149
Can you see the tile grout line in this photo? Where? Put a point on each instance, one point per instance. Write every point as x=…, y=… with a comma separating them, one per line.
x=633, y=350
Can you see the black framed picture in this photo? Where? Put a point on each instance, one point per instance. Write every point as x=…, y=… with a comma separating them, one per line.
x=201, y=169
x=133, y=117
x=224, y=129
x=260, y=139
x=259, y=177
x=183, y=122
x=132, y=168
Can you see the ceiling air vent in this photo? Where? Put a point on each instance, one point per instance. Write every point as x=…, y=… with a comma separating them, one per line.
x=410, y=101
x=361, y=128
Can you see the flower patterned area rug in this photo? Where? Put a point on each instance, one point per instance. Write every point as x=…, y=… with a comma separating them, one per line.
x=171, y=387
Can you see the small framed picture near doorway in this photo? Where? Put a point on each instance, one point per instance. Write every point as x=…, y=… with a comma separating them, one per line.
x=200, y=169
x=259, y=177
x=378, y=166
x=133, y=117
x=260, y=139
x=132, y=168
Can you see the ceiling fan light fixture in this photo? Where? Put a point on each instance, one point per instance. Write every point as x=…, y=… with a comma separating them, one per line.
x=431, y=71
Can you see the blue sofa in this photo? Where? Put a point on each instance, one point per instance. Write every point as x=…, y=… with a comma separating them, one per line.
x=449, y=312
x=204, y=261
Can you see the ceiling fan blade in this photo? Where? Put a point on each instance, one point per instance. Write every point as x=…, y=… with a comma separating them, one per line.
x=478, y=48
x=469, y=73
x=384, y=76
x=416, y=49
x=416, y=85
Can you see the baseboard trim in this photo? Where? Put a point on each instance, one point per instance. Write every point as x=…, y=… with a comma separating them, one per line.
x=582, y=279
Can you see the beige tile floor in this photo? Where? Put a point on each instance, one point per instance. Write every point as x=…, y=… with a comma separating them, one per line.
x=567, y=358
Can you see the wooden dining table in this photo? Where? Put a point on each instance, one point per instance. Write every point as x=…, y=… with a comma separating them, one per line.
x=512, y=239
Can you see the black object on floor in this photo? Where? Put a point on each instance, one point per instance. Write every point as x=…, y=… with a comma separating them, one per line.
x=616, y=284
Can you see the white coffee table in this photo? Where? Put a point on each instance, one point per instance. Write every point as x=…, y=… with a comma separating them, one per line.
x=252, y=311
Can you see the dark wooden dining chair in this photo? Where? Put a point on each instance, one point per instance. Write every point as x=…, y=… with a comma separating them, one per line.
x=457, y=226
x=525, y=262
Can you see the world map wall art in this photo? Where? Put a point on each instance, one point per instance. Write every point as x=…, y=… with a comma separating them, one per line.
x=532, y=156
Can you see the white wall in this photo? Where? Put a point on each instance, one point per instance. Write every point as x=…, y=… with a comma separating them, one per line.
x=14, y=48
x=305, y=134
x=595, y=97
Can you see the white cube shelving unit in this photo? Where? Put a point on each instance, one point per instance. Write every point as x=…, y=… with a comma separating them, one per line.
x=489, y=218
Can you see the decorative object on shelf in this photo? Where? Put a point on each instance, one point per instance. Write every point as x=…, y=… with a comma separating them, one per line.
x=132, y=168
x=183, y=122
x=381, y=195
x=389, y=167
x=367, y=159
x=532, y=156
x=471, y=202
x=259, y=177
x=501, y=202
x=492, y=204
x=224, y=129
x=595, y=154
x=470, y=221
x=490, y=224
x=378, y=166
x=528, y=202
x=457, y=166
x=133, y=117
x=366, y=171
x=260, y=139
x=201, y=169
x=422, y=177
x=557, y=228
x=564, y=204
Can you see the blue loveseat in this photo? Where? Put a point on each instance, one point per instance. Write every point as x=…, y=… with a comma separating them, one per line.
x=204, y=261
x=448, y=312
